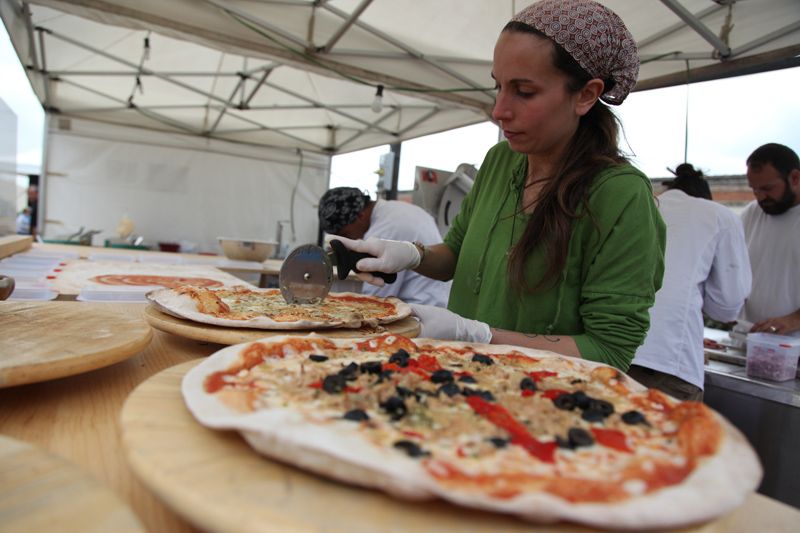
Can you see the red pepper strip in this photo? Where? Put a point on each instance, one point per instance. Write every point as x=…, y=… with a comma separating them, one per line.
x=553, y=393
x=527, y=392
x=413, y=434
x=318, y=385
x=410, y=368
x=611, y=438
x=539, y=375
x=500, y=417
x=425, y=362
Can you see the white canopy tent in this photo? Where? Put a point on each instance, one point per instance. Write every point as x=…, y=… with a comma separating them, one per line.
x=299, y=77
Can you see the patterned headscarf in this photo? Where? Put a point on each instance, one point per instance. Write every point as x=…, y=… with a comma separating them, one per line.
x=339, y=207
x=594, y=36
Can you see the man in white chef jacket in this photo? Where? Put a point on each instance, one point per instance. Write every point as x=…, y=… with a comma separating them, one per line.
x=772, y=230
x=706, y=270
x=348, y=212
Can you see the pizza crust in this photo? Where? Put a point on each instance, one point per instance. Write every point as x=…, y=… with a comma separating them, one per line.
x=718, y=485
x=184, y=306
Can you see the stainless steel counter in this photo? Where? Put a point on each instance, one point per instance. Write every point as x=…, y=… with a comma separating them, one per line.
x=768, y=414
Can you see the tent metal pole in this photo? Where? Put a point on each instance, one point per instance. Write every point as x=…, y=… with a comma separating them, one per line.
x=246, y=102
x=746, y=47
x=666, y=32
x=225, y=108
x=391, y=194
x=687, y=16
x=225, y=6
x=132, y=65
x=345, y=26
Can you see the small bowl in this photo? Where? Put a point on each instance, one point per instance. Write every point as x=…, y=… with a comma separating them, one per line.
x=244, y=250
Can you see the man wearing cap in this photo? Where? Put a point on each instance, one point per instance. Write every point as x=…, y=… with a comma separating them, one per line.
x=348, y=212
x=772, y=231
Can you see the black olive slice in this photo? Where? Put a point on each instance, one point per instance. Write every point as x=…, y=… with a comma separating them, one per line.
x=485, y=394
x=350, y=372
x=564, y=401
x=451, y=389
x=371, y=367
x=499, y=442
x=356, y=415
x=412, y=449
x=400, y=358
x=634, y=417
x=442, y=376
x=481, y=358
x=334, y=384
x=466, y=378
x=318, y=358
x=579, y=437
x=581, y=399
x=395, y=407
x=593, y=415
x=527, y=384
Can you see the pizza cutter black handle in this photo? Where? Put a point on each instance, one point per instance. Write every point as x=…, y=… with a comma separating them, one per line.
x=346, y=260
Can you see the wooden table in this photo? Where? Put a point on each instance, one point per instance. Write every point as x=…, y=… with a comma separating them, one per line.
x=77, y=418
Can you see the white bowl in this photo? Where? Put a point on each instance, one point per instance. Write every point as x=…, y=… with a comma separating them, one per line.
x=247, y=250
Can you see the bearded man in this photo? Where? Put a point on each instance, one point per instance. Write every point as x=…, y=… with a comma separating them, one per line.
x=772, y=231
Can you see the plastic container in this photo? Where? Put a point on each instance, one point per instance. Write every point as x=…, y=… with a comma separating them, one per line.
x=244, y=250
x=33, y=291
x=115, y=293
x=772, y=357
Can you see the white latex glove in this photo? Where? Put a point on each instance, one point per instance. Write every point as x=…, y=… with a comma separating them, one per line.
x=441, y=323
x=390, y=256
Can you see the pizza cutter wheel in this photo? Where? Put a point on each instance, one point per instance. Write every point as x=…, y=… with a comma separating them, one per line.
x=306, y=274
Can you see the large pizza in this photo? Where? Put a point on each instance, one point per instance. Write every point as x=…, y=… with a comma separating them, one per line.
x=500, y=428
x=266, y=308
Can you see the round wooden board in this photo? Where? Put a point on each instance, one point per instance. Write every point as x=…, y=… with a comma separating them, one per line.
x=47, y=340
x=408, y=326
x=218, y=483
x=42, y=492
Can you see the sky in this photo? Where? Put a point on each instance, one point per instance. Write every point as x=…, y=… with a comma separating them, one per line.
x=727, y=119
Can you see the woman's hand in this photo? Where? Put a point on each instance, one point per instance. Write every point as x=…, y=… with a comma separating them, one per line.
x=390, y=256
x=440, y=323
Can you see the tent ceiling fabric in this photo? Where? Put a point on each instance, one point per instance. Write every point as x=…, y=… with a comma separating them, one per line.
x=303, y=74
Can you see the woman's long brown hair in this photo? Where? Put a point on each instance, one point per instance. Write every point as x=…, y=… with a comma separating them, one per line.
x=592, y=149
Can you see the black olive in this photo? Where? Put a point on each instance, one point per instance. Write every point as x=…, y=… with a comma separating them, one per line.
x=442, y=376
x=356, y=415
x=466, y=378
x=400, y=358
x=564, y=401
x=451, y=389
x=634, y=417
x=579, y=437
x=384, y=375
x=411, y=448
x=593, y=415
x=603, y=406
x=318, y=358
x=350, y=372
x=576, y=381
x=485, y=394
x=499, y=442
x=395, y=407
x=481, y=358
x=372, y=367
x=334, y=384
x=581, y=399
x=561, y=442
x=404, y=392
x=527, y=384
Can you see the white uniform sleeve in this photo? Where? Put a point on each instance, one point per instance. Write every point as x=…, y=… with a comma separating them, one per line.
x=730, y=278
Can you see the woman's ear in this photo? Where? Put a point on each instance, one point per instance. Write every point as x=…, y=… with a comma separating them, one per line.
x=588, y=95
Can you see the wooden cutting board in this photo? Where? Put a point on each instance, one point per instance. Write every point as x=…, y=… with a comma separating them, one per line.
x=47, y=340
x=218, y=483
x=223, y=335
x=42, y=492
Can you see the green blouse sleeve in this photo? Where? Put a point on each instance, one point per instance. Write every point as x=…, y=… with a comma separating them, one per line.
x=624, y=243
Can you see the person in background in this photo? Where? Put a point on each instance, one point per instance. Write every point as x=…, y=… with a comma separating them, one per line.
x=348, y=212
x=559, y=244
x=23, y=222
x=33, y=203
x=706, y=270
x=772, y=231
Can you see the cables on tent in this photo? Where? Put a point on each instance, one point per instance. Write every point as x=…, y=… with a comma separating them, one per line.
x=137, y=83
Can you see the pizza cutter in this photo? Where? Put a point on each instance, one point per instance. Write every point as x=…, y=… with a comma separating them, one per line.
x=306, y=274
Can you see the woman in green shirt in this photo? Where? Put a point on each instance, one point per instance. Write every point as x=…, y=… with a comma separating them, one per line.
x=559, y=244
